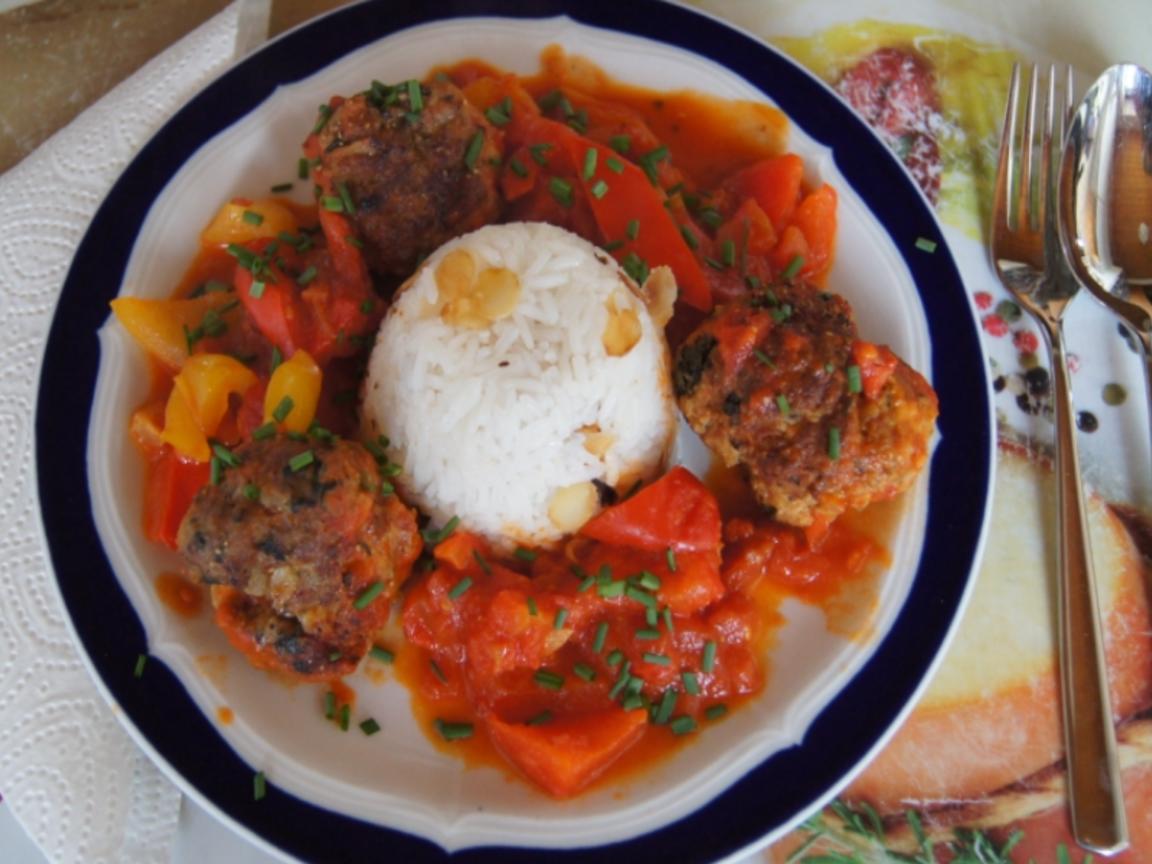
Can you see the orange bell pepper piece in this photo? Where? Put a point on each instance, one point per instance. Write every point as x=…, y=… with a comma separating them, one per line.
x=172, y=484
x=199, y=401
x=565, y=755
x=775, y=184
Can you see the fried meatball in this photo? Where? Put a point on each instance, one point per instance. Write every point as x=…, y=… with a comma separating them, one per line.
x=765, y=382
x=413, y=172
x=289, y=545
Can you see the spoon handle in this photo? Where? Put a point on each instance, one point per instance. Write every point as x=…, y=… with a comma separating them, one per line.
x=1095, y=795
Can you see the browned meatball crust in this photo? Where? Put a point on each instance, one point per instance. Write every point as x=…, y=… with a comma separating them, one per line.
x=765, y=382
x=417, y=176
x=290, y=538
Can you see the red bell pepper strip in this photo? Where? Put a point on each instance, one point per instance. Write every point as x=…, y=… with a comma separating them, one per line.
x=620, y=195
x=677, y=512
x=172, y=484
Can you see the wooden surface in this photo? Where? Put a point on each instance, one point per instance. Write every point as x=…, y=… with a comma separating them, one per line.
x=57, y=57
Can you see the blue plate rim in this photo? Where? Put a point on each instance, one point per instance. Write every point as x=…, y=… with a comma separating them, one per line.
x=783, y=788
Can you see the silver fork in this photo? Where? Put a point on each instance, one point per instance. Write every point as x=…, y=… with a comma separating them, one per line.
x=1026, y=253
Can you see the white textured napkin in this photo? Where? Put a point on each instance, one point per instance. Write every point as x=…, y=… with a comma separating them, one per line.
x=68, y=771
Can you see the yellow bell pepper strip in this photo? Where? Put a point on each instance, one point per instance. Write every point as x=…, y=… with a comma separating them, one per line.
x=162, y=327
x=199, y=401
x=242, y=221
x=293, y=393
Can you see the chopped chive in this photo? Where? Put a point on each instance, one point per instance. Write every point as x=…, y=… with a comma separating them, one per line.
x=345, y=717
x=215, y=471
x=636, y=268
x=141, y=662
x=620, y=143
x=834, y=442
x=264, y=431
x=256, y=289
x=524, y=554
x=518, y=167
x=259, y=786
x=783, y=405
x=682, y=725
x=252, y=217
x=728, y=253
x=369, y=726
x=708, y=658
x=665, y=708
x=383, y=655
x=540, y=719
x=651, y=616
x=280, y=188
x=670, y=557
x=481, y=562
x=632, y=702
x=472, y=154
x=587, y=582
x=691, y=684
x=437, y=671
x=434, y=538
x=782, y=313
x=612, y=245
x=302, y=168
x=332, y=203
x=415, y=96
x=306, y=275
x=635, y=592
x=715, y=712
x=601, y=636
x=584, y=671
x=614, y=657
x=649, y=580
x=532, y=608
x=763, y=358
x=669, y=625
x=793, y=266
x=633, y=229
x=367, y=307
x=283, y=409
x=301, y=460
x=561, y=617
x=323, y=113
x=614, y=165
x=251, y=491
x=460, y=588
x=611, y=589
x=689, y=237
x=330, y=705
x=539, y=153
x=657, y=659
x=368, y=595
x=855, y=384
x=561, y=190
x=711, y=217
x=589, y=168
x=225, y=455
x=647, y=634
x=599, y=189
x=713, y=263
x=548, y=679
x=500, y=113
x=925, y=245
x=276, y=359
x=621, y=680
x=346, y=198
x=453, y=731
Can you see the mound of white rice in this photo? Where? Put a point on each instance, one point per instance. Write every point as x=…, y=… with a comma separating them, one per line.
x=515, y=373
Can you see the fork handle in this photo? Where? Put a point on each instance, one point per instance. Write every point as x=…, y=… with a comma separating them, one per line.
x=1095, y=795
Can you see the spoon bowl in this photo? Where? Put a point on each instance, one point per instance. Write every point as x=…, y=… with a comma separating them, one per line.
x=1105, y=196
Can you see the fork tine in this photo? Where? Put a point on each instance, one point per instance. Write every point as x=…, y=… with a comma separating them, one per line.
x=1025, y=213
x=1052, y=137
x=1006, y=164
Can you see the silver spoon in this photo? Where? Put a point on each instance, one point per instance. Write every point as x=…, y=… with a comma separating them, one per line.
x=1105, y=198
x=1104, y=215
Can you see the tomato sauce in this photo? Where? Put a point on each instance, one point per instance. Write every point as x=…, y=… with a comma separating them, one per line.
x=180, y=595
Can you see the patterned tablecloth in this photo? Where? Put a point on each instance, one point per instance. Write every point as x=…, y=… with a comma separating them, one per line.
x=975, y=774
